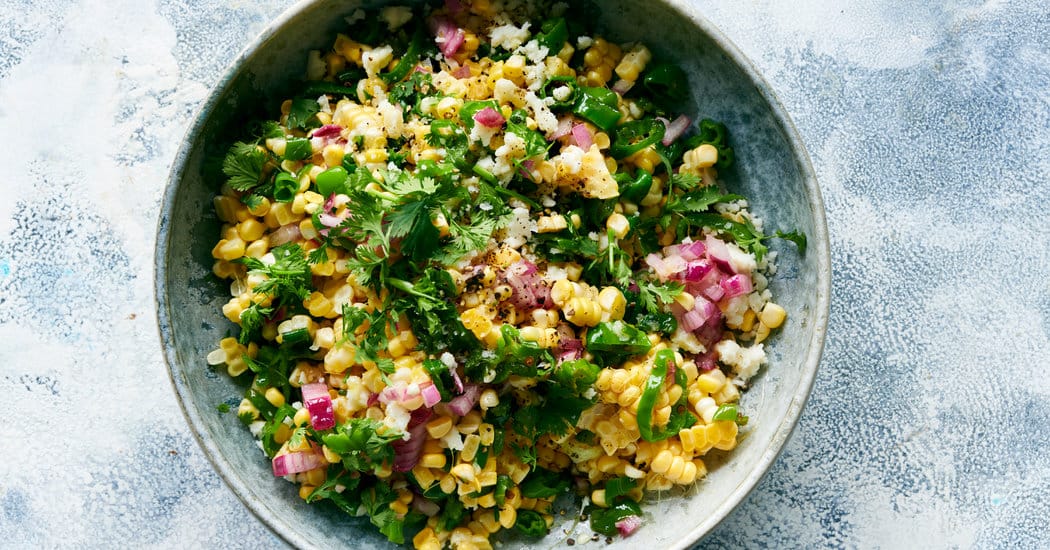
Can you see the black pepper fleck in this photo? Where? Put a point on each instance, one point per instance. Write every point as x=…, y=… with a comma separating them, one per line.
x=571, y=542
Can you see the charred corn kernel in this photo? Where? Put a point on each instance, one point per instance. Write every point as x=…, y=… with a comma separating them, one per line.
x=274, y=396
x=476, y=320
x=487, y=433
x=513, y=69
x=439, y=427
x=773, y=315
x=551, y=224
x=562, y=291
x=598, y=498
x=583, y=312
x=618, y=224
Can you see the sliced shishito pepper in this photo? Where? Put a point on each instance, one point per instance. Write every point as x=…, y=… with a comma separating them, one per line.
x=556, y=82
x=407, y=61
x=332, y=180
x=284, y=187
x=554, y=34
x=598, y=105
x=680, y=415
x=617, y=337
x=603, y=520
x=634, y=190
x=667, y=83
x=636, y=135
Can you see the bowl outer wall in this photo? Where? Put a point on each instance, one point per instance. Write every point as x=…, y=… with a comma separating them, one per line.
x=195, y=295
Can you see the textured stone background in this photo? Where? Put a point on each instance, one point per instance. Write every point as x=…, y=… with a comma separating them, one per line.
x=929, y=425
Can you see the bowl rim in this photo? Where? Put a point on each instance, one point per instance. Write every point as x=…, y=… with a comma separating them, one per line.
x=818, y=244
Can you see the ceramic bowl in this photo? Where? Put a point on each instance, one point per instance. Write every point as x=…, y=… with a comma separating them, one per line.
x=772, y=169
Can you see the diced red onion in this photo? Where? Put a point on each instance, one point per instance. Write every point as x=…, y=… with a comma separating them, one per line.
x=718, y=252
x=329, y=220
x=563, y=129
x=421, y=69
x=657, y=263
x=456, y=380
x=692, y=250
x=294, y=463
x=628, y=525
x=675, y=129
x=406, y=452
x=431, y=395
x=530, y=291
x=708, y=361
x=695, y=270
x=489, y=118
x=736, y=285
x=462, y=72
x=690, y=320
x=582, y=136
x=711, y=332
x=318, y=401
x=425, y=506
x=453, y=42
x=622, y=86
x=373, y=398
x=328, y=131
x=462, y=404
x=285, y=234
x=569, y=349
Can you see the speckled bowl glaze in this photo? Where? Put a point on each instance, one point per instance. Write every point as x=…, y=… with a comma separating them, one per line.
x=772, y=169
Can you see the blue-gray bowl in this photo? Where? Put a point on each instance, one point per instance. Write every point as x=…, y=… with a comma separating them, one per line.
x=772, y=169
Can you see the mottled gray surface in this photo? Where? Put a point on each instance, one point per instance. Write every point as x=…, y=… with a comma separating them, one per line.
x=928, y=128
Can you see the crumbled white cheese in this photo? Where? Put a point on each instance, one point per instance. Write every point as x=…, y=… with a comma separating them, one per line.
x=256, y=427
x=741, y=261
x=562, y=93
x=571, y=158
x=397, y=417
x=555, y=273
x=393, y=118
x=395, y=16
x=326, y=107
x=453, y=440
x=535, y=52
x=508, y=36
x=687, y=341
x=545, y=119
x=745, y=361
x=448, y=360
x=507, y=92
x=520, y=228
x=375, y=60
x=483, y=133
x=584, y=42
x=547, y=201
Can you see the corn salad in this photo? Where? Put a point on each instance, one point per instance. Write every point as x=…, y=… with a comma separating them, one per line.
x=480, y=261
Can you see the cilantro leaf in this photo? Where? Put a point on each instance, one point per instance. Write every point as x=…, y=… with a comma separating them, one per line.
x=244, y=165
x=302, y=113
x=252, y=320
x=699, y=200
x=651, y=291
x=348, y=500
x=288, y=279
x=363, y=444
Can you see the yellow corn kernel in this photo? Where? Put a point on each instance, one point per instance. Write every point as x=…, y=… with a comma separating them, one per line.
x=229, y=250
x=448, y=484
x=711, y=381
x=598, y=498
x=634, y=63
x=302, y=416
x=247, y=408
x=662, y=461
x=583, y=312
x=761, y=333
x=305, y=490
x=464, y=472
x=426, y=539
x=618, y=224
x=487, y=501
x=274, y=396
x=773, y=315
x=489, y=398
x=613, y=302
x=551, y=224
x=702, y=157
x=399, y=508
x=674, y=472
x=470, y=449
x=439, y=427
x=251, y=229
x=433, y=460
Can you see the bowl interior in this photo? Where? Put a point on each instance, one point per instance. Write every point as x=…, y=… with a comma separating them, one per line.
x=772, y=169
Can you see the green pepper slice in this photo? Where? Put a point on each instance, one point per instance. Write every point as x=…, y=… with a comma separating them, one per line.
x=332, y=180
x=407, y=61
x=554, y=35
x=285, y=186
x=635, y=136
x=556, y=82
x=617, y=337
x=680, y=415
x=667, y=83
x=603, y=520
x=636, y=190
x=298, y=149
x=598, y=105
